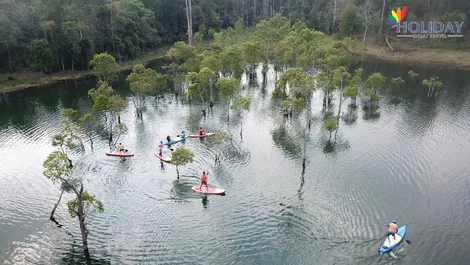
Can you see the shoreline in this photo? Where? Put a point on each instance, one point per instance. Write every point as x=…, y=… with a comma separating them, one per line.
x=36, y=80
x=442, y=58
x=449, y=59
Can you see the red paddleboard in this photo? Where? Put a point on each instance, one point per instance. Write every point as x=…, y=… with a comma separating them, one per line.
x=201, y=136
x=208, y=190
x=119, y=154
x=163, y=158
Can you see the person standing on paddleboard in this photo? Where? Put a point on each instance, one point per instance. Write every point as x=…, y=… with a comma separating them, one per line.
x=168, y=138
x=211, y=104
x=160, y=148
x=392, y=229
x=203, y=180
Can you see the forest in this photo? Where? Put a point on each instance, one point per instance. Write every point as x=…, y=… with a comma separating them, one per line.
x=64, y=35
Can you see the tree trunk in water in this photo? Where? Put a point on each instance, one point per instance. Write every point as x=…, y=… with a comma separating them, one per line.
x=228, y=113
x=55, y=206
x=119, y=118
x=177, y=173
x=382, y=20
x=83, y=230
x=91, y=142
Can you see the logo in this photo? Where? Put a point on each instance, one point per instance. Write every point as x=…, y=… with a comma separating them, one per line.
x=424, y=29
x=397, y=17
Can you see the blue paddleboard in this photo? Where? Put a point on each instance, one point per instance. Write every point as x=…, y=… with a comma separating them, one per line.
x=389, y=244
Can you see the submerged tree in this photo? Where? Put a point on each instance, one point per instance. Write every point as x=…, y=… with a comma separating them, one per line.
x=432, y=83
x=200, y=84
x=331, y=124
x=58, y=170
x=397, y=81
x=228, y=88
x=181, y=157
x=219, y=138
x=105, y=67
x=107, y=103
x=412, y=75
x=241, y=105
x=374, y=83
x=144, y=82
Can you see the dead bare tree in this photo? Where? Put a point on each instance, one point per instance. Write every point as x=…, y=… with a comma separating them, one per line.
x=367, y=15
x=189, y=17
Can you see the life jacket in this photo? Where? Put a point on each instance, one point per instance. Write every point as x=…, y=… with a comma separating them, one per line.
x=392, y=227
x=121, y=147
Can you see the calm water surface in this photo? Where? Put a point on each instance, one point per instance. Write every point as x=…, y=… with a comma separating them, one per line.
x=408, y=161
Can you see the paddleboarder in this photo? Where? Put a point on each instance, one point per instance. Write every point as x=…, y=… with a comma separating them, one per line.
x=160, y=148
x=168, y=138
x=201, y=131
x=203, y=113
x=211, y=104
x=203, y=180
x=121, y=147
x=392, y=229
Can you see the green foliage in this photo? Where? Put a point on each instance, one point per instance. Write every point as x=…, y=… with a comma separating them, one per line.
x=252, y=52
x=90, y=203
x=374, y=83
x=64, y=142
x=42, y=54
x=233, y=63
x=349, y=20
x=432, y=83
x=241, y=105
x=228, y=88
x=70, y=114
x=331, y=123
x=200, y=83
x=299, y=82
x=182, y=156
x=397, y=81
x=105, y=99
x=341, y=76
x=57, y=167
x=105, y=66
x=239, y=26
x=145, y=81
x=297, y=104
x=212, y=63
x=412, y=75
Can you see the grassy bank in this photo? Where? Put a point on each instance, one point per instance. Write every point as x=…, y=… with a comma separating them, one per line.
x=408, y=55
x=20, y=81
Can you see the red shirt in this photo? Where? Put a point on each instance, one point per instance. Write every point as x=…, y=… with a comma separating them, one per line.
x=204, y=178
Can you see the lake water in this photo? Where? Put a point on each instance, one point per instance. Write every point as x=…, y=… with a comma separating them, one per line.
x=408, y=161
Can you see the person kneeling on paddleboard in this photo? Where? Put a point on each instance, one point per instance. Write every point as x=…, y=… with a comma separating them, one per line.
x=160, y=146
x=392, y=229
x=183, y=134
x=203, y=180
x=201, y=131
x=168, y=138
x=121, y=147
